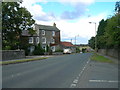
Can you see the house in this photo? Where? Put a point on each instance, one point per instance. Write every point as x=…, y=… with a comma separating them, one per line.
x=65, y=45
x=45, y=35
x=32, y=40
x=48, y=36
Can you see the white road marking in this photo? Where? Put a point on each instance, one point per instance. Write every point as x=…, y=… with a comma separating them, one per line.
x=106, y=81
x=12, y=76
x=73, y=85
x=18, y=74
x=77, y=78
x=75, y=81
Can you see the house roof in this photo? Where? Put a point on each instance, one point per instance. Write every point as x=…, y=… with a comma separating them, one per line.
x=26, y=33
x=46, y=27
x=67, y=44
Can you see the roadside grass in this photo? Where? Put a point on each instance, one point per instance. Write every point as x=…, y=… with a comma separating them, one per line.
x=21, y=61
x=99, y=58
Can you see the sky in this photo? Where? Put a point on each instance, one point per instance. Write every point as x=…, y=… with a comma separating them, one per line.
x=72, y=17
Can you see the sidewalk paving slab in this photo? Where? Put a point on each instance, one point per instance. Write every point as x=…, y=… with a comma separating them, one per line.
x=99, y=75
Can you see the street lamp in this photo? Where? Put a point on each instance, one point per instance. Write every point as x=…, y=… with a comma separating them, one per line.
x=95, y=35
x=75, y=38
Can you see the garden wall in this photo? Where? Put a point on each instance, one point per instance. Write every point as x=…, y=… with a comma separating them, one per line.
x=12, y=54
x=115, y=53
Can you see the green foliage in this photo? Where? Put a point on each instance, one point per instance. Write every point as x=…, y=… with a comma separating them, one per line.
x=101, y=27
x=100, y=58
x=47, y=48
x=100, y=34
x=108, y=34
x=59, y=50
x=83, y=50
x=21, y=61
x=38, y=50
x=92, y=42
x=15, y=19
x=77, y=50
x=117, y=7
x=113, y=32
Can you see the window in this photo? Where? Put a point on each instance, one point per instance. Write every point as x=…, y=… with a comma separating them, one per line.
x=53, y=33
x=52, y=40
x=37, y=39
x=43, y=40
x=43, y=32
x=30, y=39
x=44, y=47
x=53, y=48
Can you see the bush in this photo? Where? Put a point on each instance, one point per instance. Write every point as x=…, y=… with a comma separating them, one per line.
x=38, y=50
x=59, y=50
x=83, y=50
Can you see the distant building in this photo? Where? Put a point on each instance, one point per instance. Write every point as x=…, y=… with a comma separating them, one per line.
x=65, y=45
x=83, y=46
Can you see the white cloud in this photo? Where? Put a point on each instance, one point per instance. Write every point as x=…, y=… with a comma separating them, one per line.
x=81, y=27
x=68, y=29
x=37, y=11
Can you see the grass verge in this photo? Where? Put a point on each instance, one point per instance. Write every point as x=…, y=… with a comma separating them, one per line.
x=20, y=61
x=99, y=58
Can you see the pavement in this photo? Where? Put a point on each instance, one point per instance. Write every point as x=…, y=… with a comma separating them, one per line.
x=99, y=75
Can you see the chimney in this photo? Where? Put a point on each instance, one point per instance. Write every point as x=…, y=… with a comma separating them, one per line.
x=54, y=24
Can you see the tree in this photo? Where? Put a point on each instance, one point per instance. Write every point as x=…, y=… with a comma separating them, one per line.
x=112, y=32
x=108, y=34
x=15, y=19
x=92, y=42
x=101, y=41
x=117, y=7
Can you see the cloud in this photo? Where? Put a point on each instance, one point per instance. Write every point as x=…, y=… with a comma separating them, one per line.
x=79, y=10
x=81, y=27
x=80, y=7
x=68, y=29
x=37, y=11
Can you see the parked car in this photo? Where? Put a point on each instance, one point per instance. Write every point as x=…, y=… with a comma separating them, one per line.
x=67, y=51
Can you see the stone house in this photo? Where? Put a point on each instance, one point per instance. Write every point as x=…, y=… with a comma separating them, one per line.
x=45, y=35
x=48, y=36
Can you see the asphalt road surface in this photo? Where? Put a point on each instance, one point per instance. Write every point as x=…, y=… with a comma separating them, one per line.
x=66, y=71
x=55, y=72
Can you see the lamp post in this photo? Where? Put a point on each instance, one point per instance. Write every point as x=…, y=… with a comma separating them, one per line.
x=75, y=42
x=76, y=38
x=95, y=36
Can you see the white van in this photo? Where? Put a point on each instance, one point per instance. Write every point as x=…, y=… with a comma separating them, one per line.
x=67, y=51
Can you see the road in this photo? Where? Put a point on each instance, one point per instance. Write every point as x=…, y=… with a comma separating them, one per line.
x=54, y=72
x=66, y=71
